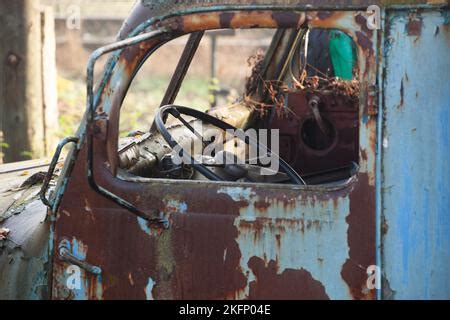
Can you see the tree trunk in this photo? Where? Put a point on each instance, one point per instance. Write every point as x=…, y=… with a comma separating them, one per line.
x=49, y=80
x=21, y=112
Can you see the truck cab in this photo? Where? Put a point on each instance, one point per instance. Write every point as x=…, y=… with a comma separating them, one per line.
x=326, y=179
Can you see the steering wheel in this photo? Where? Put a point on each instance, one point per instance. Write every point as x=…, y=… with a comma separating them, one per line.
x=177, y=111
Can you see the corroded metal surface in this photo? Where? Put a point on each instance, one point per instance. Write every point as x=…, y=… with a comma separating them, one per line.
x=326, y=150
x=12, y=176
x=224, y=240
x=416, y=141
x=24, y=254
x=148, y=9
x=232, y=240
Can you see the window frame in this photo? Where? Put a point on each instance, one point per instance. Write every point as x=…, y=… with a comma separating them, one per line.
x=106, y=137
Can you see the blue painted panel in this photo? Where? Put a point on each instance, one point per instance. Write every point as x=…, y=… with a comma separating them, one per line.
x=416, y=157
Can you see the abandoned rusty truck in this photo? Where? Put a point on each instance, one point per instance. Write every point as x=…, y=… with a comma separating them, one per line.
x=359, y=207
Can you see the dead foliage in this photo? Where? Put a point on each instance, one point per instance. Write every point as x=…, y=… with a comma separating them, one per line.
x=273, y=92
x=255, y=62
x=329, y=86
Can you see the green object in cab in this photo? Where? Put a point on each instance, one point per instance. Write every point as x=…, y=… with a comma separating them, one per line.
x=343, y=54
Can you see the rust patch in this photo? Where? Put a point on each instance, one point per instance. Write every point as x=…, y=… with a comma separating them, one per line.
x=414, y=26
x=192, y=23
x=364, y=42
x=207, y=257
x=361, y=238
x=290, y=285
x=364, y=155
x=252, y=227
x=253, y=19
x=288, y=18
x=278, y=240
x=225, y=19
x=175, y=24
x=132, y=55
x=103, y=232
x=361, y=20
x=261, y=206
x=222, y=204
x=323, y=15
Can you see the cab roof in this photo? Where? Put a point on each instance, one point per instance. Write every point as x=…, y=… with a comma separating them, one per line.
x=154, y=9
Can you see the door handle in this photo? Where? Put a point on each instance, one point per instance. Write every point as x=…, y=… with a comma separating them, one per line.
x=65, y=254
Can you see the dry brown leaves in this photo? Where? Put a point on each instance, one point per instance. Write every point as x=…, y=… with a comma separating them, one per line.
x=274, y=91
x=255, y=62
x=329, y=86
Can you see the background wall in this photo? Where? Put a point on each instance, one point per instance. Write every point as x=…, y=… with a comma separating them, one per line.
x=80, y=26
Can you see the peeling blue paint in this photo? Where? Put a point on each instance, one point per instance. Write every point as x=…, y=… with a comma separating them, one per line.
x=143, y=224
x=149, y=289
x=416, y=174
x=237, y=193
x=414, y=197
x=179, y=207
x=78, y=249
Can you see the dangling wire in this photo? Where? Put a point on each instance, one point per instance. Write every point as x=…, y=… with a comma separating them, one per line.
x=287, y=64
x=302, y=64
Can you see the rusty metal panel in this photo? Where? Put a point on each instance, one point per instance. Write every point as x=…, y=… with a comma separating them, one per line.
x=172, y=6
x=338, y=148
x=155, y=9
x=224, y=240
x=416, y=153
x=233, y=242
x=25, y=254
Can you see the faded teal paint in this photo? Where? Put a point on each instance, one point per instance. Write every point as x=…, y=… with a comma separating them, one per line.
x=79, y=250
x=117, y=78
x=310, y=233
x=143, y=224
x=175, y=206
x=149, y=289
x=416, y=174
x=379, y=159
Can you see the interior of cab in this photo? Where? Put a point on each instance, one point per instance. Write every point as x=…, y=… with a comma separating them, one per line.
x=300, y=103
